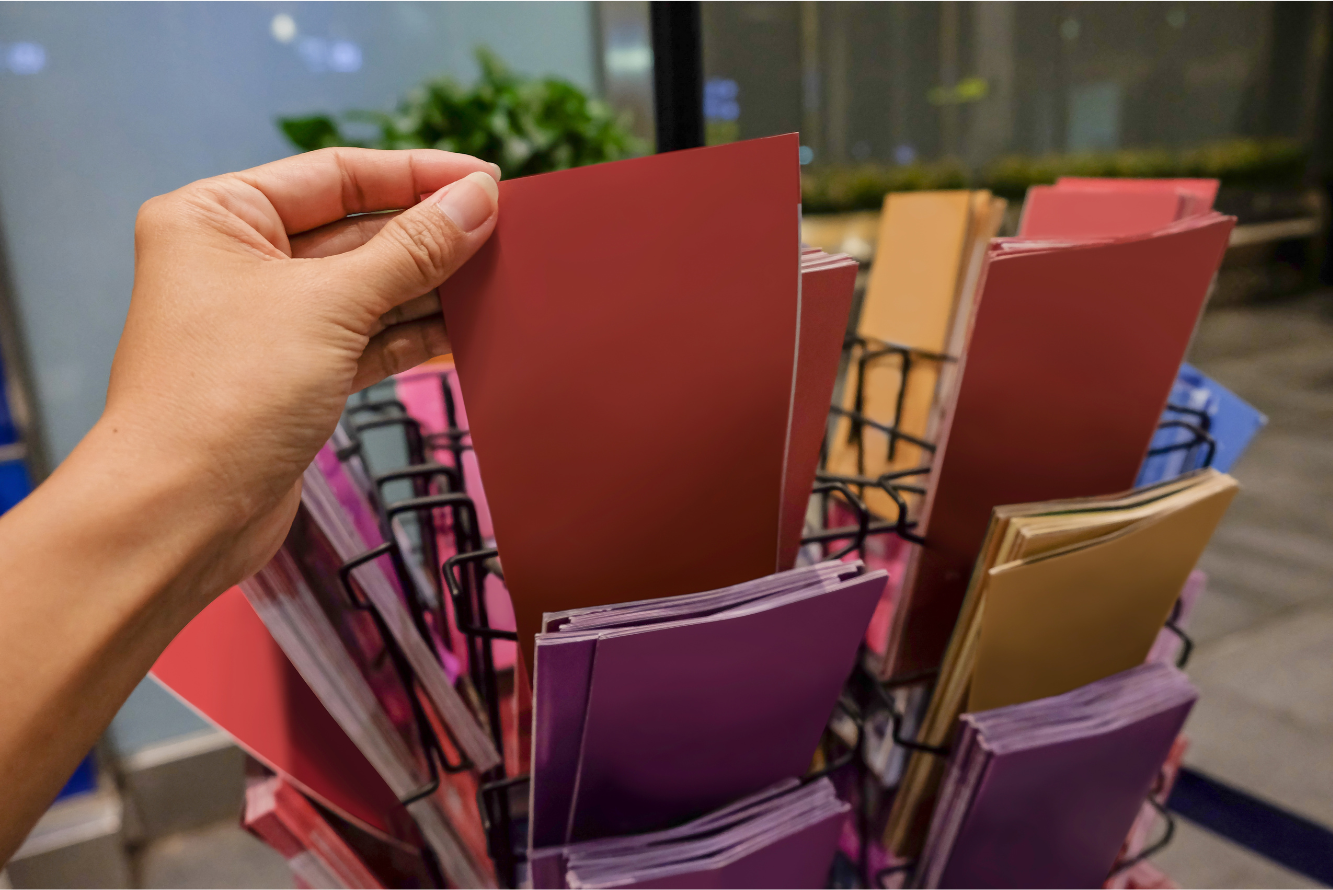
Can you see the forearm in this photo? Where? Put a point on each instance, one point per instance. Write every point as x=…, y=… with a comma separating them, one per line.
x=101, y=566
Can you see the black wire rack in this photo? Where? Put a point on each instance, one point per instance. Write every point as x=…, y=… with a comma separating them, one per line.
x=501, y=797
x=461, y=578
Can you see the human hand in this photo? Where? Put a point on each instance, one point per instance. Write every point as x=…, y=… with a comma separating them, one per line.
x=258, y=307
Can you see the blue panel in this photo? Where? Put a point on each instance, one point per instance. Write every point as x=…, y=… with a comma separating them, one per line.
x=83, y=780
x=15, y=483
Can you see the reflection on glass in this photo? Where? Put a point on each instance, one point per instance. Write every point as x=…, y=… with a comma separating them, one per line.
x=722, y=110
x=908, y=83
x=283, y=28
x=25, y=58
x=321, y=55
x=627, y=65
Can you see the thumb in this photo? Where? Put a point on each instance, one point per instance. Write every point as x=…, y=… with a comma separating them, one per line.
x=422, y=246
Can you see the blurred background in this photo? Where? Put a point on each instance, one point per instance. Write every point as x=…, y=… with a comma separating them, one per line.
x=103, y=106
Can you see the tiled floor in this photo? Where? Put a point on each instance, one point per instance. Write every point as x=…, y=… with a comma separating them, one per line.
x=221, y=855
x=1264, y=663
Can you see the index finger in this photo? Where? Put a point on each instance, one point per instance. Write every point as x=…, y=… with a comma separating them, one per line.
x=312, y=189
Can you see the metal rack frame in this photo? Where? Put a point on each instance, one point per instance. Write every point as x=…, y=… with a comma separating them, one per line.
x=462, y=576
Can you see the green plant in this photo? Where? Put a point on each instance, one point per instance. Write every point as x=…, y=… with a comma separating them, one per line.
x=863, y=187
x=526, y=125
x=1237, y=163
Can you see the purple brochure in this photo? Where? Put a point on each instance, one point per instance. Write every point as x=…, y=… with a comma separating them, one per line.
x=1042, y=794
x=685, y=717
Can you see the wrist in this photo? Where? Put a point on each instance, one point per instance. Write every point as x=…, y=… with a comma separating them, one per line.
x=175, y=467
x=145, y=512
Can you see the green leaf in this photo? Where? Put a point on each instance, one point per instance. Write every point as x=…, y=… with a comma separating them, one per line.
x=526, y=125
x=310, y=133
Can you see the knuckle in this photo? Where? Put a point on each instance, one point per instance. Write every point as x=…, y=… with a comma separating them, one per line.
x=153, y=213
x=166, y=214
x=397, y=354
x=429, y=243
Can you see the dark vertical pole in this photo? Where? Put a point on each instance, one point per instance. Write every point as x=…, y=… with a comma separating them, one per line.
x=678, y=74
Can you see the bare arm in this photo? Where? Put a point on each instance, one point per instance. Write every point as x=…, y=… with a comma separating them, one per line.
x=257, y=309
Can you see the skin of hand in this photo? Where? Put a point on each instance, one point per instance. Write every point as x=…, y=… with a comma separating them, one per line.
x=261, y=300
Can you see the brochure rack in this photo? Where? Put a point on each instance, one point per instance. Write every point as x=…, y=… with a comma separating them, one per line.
x=440, y=501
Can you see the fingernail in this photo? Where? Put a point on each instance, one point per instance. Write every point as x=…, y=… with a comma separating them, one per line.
x=470, y=201
x=496, y=172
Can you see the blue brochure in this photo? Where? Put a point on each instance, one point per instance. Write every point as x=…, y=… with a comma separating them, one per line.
x=1199, y=404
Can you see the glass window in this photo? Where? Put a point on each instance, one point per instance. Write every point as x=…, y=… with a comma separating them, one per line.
x=898, y=83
